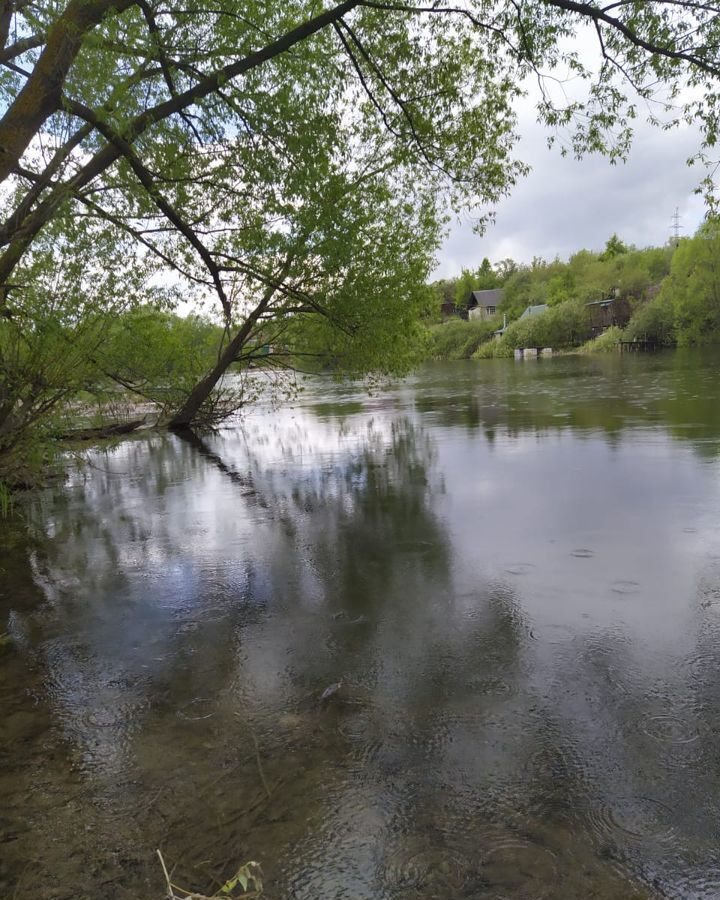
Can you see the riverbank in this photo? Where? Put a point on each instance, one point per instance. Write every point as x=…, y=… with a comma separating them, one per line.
x=457, y=339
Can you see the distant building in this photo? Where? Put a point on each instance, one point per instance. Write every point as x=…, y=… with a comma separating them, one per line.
x=529, y=311
x=484, y=304
x=534, y=310
x=606, y=313
x=447, y=309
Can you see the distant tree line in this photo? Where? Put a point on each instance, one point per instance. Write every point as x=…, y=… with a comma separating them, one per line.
x=672, y=292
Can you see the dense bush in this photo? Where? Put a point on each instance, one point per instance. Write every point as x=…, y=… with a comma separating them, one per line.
x=653, y=321
x=561, y=326
x=456, y=339
x=605, y=342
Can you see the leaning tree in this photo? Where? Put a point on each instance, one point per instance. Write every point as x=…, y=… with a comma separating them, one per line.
x=292, y=161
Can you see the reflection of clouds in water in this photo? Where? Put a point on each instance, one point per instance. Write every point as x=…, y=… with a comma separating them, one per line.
x=525, y=627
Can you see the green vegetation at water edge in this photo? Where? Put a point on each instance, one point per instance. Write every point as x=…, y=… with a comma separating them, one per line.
x=662, y=296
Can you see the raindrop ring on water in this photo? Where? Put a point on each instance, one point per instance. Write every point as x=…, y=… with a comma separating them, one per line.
x=199, y=708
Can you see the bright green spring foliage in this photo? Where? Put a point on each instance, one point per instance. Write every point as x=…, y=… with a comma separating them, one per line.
x=565, y=288
x=692, y=293
x=586, y=276
x=286, y=165
x=160, y=357
x=672, y=295
x=456, y=339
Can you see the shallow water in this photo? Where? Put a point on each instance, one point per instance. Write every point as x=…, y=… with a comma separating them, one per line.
x=514, y=570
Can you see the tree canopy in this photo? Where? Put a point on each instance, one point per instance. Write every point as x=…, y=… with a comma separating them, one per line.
x=292, y=161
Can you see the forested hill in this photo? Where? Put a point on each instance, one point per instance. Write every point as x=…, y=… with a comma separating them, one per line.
x=670, y=295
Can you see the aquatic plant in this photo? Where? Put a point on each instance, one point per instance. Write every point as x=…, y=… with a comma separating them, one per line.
x=247, y=879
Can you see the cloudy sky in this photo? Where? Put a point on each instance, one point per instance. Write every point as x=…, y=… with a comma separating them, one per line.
x=564, y=205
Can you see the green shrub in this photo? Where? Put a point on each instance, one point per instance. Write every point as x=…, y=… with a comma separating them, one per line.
x=559, y=327
x=492, y=349
x=604, y=343
x=653, y=321
x=456, y=339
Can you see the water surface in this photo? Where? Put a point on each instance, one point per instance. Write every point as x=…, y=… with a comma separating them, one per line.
x=514, y=571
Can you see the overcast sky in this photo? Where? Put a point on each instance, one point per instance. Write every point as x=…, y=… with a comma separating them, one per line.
x=564, y=205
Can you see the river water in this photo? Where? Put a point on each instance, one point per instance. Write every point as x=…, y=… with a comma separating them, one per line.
x=512, y=568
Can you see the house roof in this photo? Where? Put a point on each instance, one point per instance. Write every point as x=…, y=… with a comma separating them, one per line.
x=534, y=310
x=486, y=298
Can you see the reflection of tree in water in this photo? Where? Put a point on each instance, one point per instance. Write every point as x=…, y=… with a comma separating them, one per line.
x=142, y=635
x=201, y=603
x=610, y=394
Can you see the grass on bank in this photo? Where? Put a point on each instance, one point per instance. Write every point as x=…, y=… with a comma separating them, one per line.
x=607, y=342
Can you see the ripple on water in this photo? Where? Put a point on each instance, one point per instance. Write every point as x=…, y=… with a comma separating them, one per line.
x=371, y=743
x=418, y=867
x=624, y=587
x=701, y=882
x=704, y=663
x=516, y=869
x=633, y=820
x=553, y=776
x=602, y=656
x=582, y=553
x=669, y=729
x=554, y=764
x=199, y=708
x=519, y=568
x=549, y=633
x=109, y=717
x=492, y=684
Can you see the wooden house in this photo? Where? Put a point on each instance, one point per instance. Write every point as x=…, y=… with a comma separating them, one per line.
x=606, y=313
x=484, y=304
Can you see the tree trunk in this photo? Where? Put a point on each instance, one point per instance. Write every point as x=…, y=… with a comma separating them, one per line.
x=40, y=96
x=187, y=413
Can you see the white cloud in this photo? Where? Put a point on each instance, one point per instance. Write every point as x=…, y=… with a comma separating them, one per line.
x=565, y=204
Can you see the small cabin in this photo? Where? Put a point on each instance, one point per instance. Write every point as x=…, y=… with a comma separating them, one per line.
x=447, y=309
x=606, y=313
x=484, y=304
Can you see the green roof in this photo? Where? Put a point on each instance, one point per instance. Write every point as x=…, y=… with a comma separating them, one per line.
x=534, y=310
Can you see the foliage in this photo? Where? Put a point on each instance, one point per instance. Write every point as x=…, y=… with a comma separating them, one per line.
x=561, y=326
x=292, y=173
x=52, y=331
x=456, y=339
x=160, y=356
x=483, y=279
x=607, y=342
x=693, y=287
x=613, y=248
x=586, y=276
x=6, y=501
x=493, y=349
x=653, y=321
x=247, y=882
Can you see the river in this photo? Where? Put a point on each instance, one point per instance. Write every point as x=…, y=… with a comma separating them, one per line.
x=513, y=570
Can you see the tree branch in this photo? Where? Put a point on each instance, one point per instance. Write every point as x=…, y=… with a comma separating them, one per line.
x=20, y=47
x=39, y=97
x=147, y=181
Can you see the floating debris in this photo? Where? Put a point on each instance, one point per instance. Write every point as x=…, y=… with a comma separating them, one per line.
x=330, y=692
